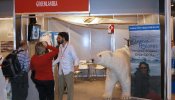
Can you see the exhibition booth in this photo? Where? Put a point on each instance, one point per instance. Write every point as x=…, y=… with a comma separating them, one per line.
x=89, y=27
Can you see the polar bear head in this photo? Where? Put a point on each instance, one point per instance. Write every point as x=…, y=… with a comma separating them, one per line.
x=104, y=58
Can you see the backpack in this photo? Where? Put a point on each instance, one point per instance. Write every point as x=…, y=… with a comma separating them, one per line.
x=11, y=66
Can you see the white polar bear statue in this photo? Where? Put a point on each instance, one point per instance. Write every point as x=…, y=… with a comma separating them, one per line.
x=118, y=70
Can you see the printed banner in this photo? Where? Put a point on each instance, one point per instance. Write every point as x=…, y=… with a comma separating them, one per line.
x=50, y=37
x=35, y=6
x=6, y=46
x=145, y=60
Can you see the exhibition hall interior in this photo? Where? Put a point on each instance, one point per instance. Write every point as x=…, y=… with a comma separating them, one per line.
x=129, y=42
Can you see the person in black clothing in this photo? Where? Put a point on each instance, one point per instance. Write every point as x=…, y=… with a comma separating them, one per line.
x=141, y=80
x=19, y=83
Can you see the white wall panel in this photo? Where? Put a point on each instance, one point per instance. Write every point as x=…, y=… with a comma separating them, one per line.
x=87, y=42
x=57, y=26
x=79, y=36
x=121, y=32
x=100, y=40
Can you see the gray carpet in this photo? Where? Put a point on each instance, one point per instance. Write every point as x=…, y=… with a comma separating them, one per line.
x=91, y=90
x=85, y=89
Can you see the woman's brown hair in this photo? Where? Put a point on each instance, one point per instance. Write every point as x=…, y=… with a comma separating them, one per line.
x=40, y=49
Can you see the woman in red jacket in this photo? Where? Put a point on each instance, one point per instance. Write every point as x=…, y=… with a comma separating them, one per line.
x=41, y=64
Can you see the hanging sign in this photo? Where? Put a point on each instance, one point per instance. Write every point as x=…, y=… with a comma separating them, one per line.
x=111, y=29
x=35, y=6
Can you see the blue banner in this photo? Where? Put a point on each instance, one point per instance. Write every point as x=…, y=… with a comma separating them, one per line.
x=144, y=27
x=50, y=37
x=145, y=60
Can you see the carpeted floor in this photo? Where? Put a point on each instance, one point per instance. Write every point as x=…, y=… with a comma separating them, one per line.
x=91, y=90
x=173, y=97
x=85, y=89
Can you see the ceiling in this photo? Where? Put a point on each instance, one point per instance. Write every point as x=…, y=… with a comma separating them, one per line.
x=100, y=22
x=94, y=20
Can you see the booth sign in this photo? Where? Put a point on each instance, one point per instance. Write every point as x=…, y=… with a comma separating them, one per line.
x=35, y=6
x=111, y=29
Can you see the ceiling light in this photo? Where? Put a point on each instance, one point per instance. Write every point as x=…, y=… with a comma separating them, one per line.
x=89, y=19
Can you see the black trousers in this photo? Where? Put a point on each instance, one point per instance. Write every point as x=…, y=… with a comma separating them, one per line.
x=19, y=87
x=45, y=89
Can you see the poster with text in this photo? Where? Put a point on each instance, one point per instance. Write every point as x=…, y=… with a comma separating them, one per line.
x=6, y=46
x=50, y=37
x=145, y=61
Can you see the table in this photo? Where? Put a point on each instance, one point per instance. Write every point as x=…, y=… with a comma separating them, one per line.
x=91, y=69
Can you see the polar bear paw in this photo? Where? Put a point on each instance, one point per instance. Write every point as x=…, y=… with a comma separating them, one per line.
x=107, y=97
x=125, y=96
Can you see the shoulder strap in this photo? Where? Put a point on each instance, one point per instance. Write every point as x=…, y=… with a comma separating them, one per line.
x=16, y=51
x=19, y=51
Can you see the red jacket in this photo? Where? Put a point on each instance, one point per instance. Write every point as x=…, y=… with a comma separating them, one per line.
x=42, y=64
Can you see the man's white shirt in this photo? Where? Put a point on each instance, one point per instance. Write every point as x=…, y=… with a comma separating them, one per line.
x=67, y=59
